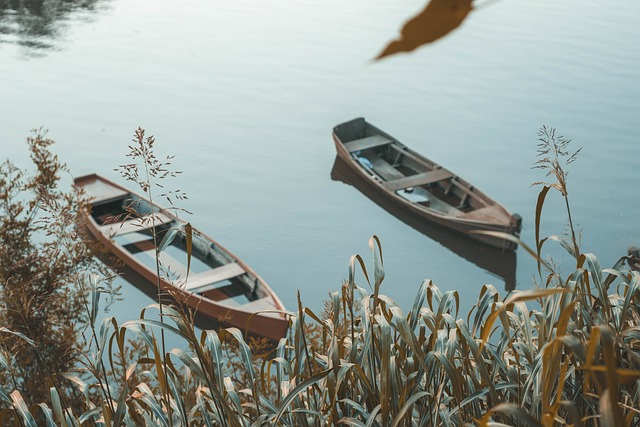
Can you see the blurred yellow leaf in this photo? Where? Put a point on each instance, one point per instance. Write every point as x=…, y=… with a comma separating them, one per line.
x=438, y=19
x=624, y=376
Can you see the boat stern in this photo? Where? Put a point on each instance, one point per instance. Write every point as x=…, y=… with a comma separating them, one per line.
x=516, y=224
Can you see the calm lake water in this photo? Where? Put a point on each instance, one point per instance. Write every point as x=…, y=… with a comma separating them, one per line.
x=245, y=93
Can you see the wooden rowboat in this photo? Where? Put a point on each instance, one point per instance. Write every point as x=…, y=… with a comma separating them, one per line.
x=421, y=186
x=218, y=286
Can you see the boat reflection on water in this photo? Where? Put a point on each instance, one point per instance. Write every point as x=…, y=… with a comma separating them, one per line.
x=501, y=263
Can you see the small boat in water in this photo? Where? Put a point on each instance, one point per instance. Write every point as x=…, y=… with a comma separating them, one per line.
x=218, y=285
x=421, y=186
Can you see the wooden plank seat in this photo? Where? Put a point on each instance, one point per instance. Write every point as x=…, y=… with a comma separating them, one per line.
x=201, y=282
x=142, y=243
x=102, y=192
x=259, y=304
x=135, y=224
x=366, y=143
x=419, y=179
x=384, y=170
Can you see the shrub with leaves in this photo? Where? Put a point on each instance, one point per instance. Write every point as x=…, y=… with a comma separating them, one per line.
x=43, y=263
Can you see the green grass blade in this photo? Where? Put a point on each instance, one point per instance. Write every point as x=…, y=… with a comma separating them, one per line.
x=48, y=415
x=517, y=413
x=57, y=407
x=352, y=270
x=150, y=400
x=170, y=235
x=95, y=299
x=22, y=410
x=539, y=204
x=351, y=422
x=191, y=363
x=19, y=335
x=214, y=345
x=138, y=323
x=92, y=414
x=300, y=388
x=405, y=408
x=188, y=231
x=378, y=264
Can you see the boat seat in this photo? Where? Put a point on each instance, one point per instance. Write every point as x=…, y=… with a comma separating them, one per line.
x=464, y=202
x=367, y=143
x=134, y=224
x=418, y=180
x=202, y=281
x=102, y=192
x=384, y=170
x=259, y=304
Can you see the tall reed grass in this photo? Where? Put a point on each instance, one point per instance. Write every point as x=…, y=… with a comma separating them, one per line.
x=564, y=353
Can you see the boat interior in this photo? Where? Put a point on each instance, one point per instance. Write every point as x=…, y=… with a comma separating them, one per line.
x=212, y=272
x=414, y=178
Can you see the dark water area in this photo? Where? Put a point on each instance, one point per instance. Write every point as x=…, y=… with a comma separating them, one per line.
x=36, y=26
x=245, y=95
